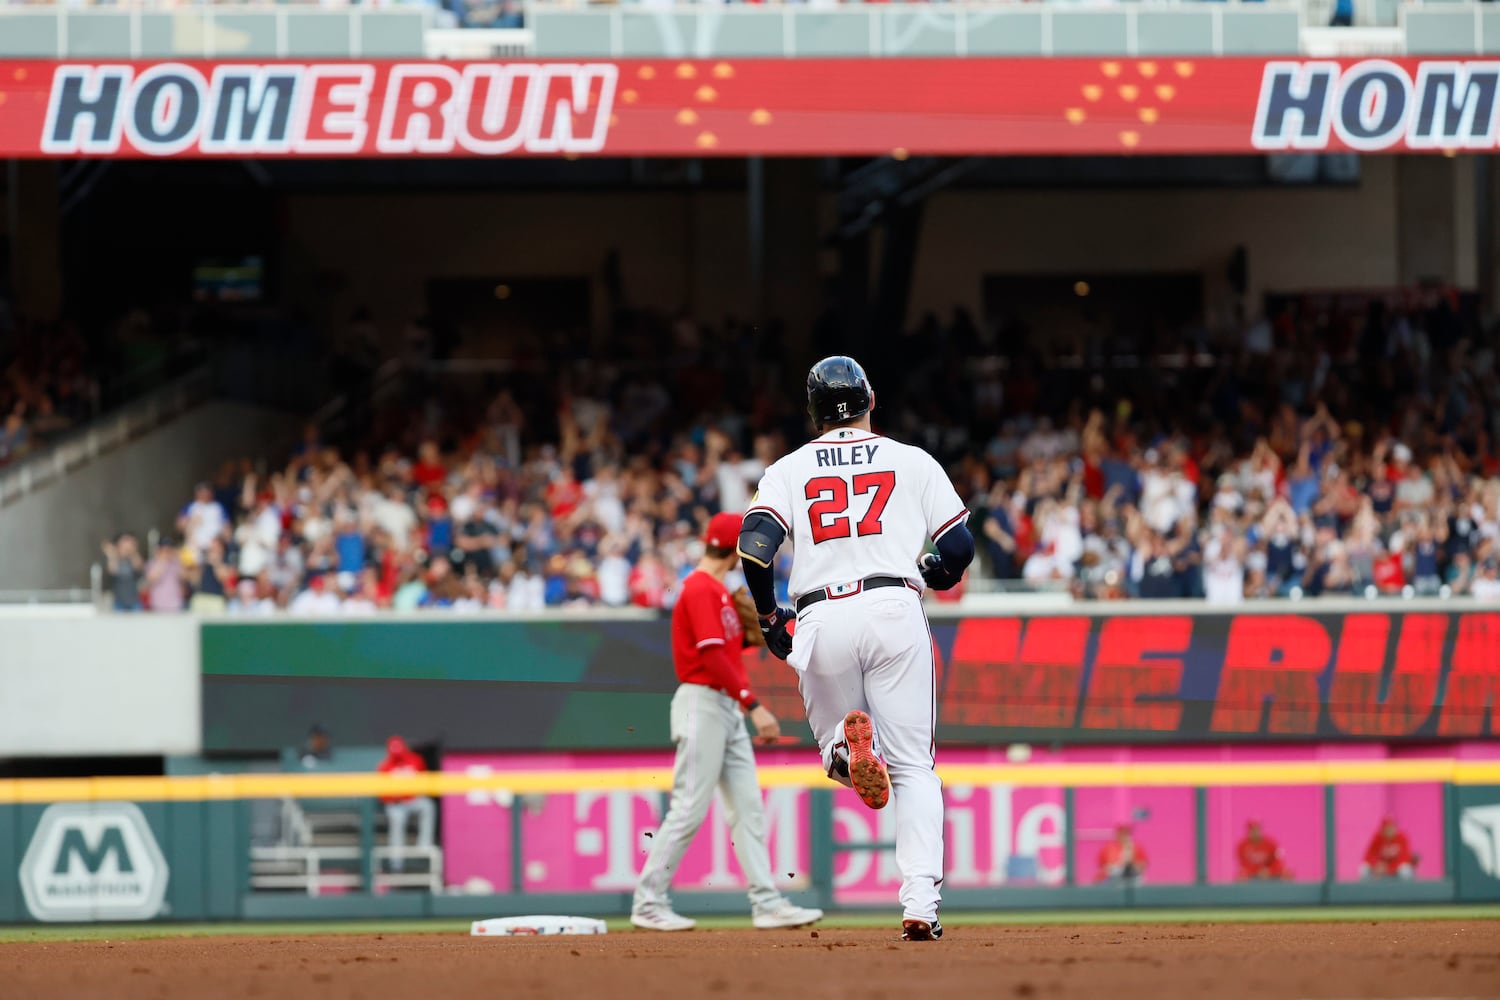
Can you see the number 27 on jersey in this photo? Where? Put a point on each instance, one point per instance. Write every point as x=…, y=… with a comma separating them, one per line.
x=829, y=514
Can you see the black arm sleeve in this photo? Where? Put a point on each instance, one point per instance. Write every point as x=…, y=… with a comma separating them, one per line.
x=760, y=536
x=956, y=548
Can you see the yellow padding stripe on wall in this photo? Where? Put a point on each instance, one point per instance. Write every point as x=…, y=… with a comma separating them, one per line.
x=312, y=786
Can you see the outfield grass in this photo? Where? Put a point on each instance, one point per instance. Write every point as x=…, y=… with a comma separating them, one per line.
x=1310, y=914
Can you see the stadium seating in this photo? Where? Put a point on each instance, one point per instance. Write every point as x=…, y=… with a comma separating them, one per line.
x=46, y=387
x=1359, y=463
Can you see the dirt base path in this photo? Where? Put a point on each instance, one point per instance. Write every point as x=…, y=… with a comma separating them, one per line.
x=1223, y=961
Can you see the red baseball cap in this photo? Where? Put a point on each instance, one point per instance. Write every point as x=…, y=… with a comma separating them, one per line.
x=724, y=530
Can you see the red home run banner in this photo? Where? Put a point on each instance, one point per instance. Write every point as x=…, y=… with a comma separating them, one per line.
x=661, y=107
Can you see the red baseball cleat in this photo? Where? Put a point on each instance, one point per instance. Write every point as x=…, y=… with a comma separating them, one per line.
x=920, y=930
x=866, y=771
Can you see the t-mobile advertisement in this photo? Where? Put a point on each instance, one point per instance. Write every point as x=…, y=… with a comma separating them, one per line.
x=997, y=835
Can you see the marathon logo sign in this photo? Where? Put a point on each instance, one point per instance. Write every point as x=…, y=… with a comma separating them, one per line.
x=93, y=861
x=333, y=109
x=1375, y=105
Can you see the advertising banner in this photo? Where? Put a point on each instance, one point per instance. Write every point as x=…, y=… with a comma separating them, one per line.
x=996, y=835
x=491, y=684
x=1478, y=860
x=116, y=860
x=737, y=107
x=93, y=861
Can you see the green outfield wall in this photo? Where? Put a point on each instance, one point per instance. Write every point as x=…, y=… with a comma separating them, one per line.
x=1285, y=671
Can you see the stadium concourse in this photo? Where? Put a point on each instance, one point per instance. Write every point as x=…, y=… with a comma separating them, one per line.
x=1320, y=453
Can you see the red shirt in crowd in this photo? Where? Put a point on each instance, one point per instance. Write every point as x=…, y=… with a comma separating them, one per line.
x=707, y=641
x=1390, y=575
x=400, y=759
x=1093, y=478
x=1388, y=854
x=429, y=474
x=648, y=584
x=563, y=496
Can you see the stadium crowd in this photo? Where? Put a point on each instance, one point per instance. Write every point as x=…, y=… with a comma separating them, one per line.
x=1327, y=455
x=1318, y=455
x=45, y=385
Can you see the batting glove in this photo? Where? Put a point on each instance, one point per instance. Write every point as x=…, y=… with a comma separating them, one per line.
x=774, y=628
x=935, y=574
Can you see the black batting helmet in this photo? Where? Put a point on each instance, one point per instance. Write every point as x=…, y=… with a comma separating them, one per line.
x=837, y=391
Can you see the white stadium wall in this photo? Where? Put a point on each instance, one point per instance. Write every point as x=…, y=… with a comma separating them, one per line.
x=106, y=685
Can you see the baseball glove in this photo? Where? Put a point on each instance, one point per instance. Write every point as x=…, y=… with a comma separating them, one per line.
x=744, y=606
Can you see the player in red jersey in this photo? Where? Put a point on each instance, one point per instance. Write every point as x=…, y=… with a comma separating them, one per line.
x=1259, y=856
x=1389, y=854
x=713, y=748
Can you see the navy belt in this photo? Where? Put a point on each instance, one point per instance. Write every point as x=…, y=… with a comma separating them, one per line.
x=812, y=597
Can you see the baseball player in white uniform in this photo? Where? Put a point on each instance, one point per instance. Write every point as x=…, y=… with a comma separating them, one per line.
x=860, y=509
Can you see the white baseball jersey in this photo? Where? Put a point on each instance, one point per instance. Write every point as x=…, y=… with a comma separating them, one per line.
x=857, y=504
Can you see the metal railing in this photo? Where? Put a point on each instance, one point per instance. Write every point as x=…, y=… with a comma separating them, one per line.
x=62, y=600
x=105, y=434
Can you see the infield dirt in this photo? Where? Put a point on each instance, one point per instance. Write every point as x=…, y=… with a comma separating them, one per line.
x=1324, y=960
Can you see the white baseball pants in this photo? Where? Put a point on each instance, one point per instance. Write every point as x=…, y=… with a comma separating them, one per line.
x=872, y=651
x=713, y=751
x=396, y=814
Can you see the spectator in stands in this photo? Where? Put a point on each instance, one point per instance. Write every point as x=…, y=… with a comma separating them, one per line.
x=202, y=520
x=366, y=595
x=285, y=570
x=998, y=533
x=348, y=542
x=648, y=582
x=1224, y=565
x=14, y=435
x=1389, y=854
x=1414, y=489
x=429, y=470
x=1485, y=584
x=1424, y=556
x=317, y=748
x=211, y=579
x=402, y=760
x=44, y=384
x=614, y=574
x=1274, y=472
x=317, y=600
x=126, y=570
x=250, y=600
x=165, y=579
x=442, y=587
x=1259, y=856
x=1122, y=860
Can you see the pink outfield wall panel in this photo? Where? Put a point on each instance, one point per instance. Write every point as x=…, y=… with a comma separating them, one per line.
x=996, y=835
